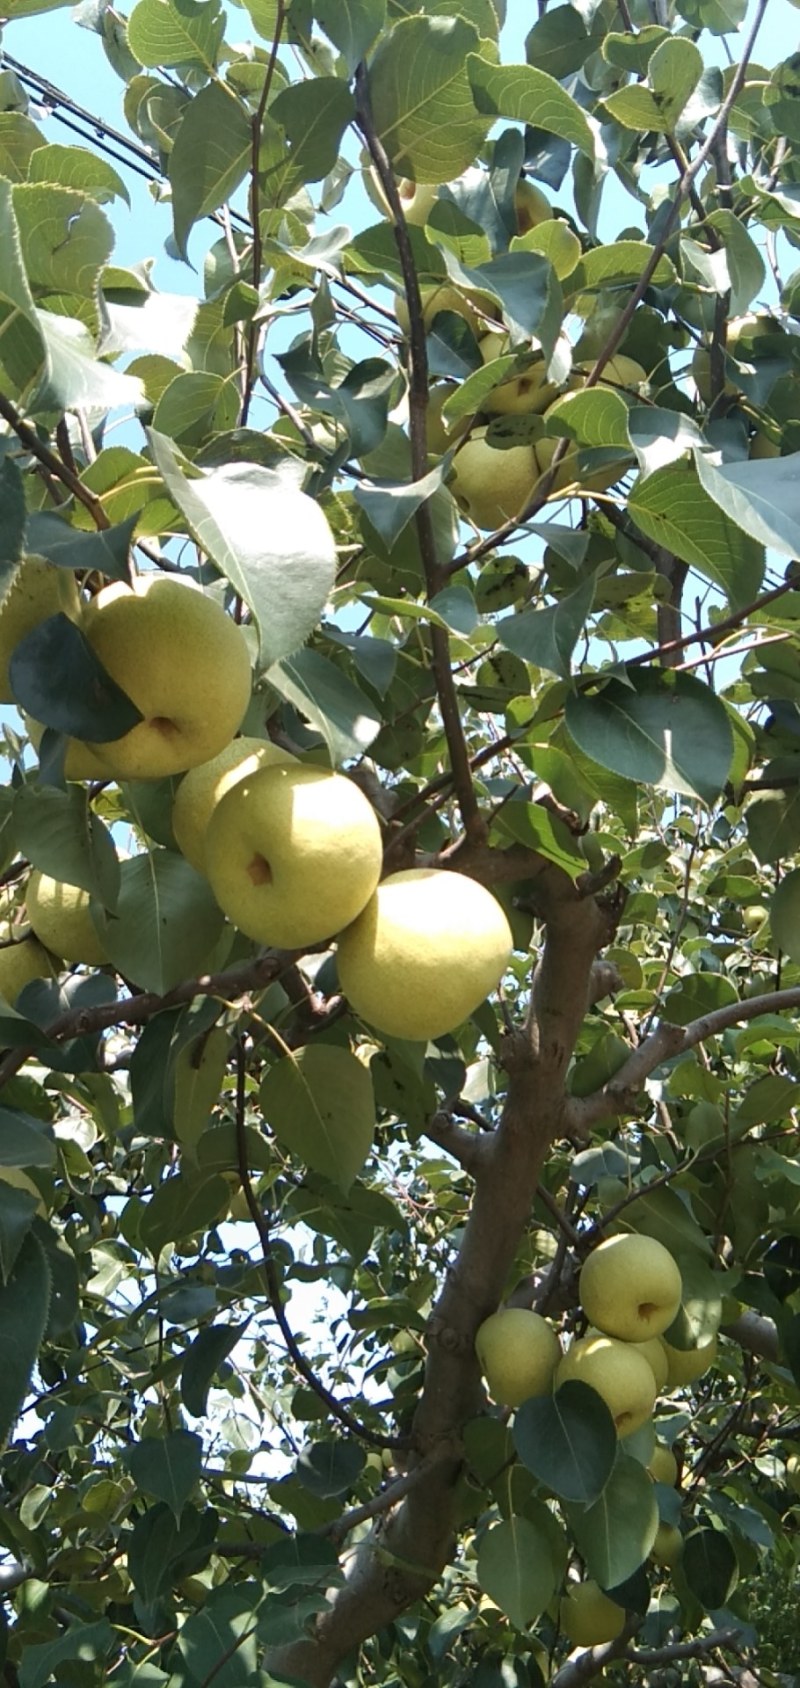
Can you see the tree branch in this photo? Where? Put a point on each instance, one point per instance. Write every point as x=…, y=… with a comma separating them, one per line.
x=665, y=1043
x=257, y=123
x=405, y=1552
x=50, y=460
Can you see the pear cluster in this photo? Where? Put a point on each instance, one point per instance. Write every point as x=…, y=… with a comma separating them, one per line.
x=292, y=851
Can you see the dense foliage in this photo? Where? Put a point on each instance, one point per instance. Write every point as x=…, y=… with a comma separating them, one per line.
x=501, y=490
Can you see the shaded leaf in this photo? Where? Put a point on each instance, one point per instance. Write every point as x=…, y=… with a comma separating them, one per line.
x=530, y=96
x=677, y=509
x=211, y=156
x=340, y=711
x=61, y=835
x=421, y=98
x=664, y=728
x=547, y=637
x=202, y=1360
x=165, y=921
x=615, y=1534
x=331, y=1468
x=270, y=540
x=321, y=1106
x=24, y=1306
x=167, y=1467
x=515, y=1568
x=568, y=1441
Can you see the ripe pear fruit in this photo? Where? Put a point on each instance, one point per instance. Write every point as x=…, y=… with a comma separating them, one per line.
x=686, y=1365
x=492, y=484
x=20, y=962
x=60, y=916
x=587, y=1615
x=38, y=590
x=663, y=1466
x=427, y=949
x=202, y=788
x=531, y=205
x=293, y=854
x=477, y=310
x=793, y=1473
x=80, y=761
x=653, y=1351
x=747, y=327
x=668, y=1545
x=182, y=661
x=619, y=1373
x=630, y=1287
x=620, y=371
x=417, y=200
x=518, y=1352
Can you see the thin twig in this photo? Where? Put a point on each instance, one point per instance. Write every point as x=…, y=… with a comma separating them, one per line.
x=50, y=460
x=253, y=331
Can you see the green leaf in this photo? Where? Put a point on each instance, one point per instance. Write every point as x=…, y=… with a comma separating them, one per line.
x=24, y=1306
x=547, y=637
x=352, y=26
x=320, y=1104
x=165, y=922
x=674, y=72
x=761, y=499
x=180, y=1207
x=78, y=168
x=202, y=1360
x=676, y=507
x=219, y=1641
x=568, y=1441
x=515, y=1568
x=331, y=1468
x=533, y=825
x=81, y=1641
x=340, y=711
x=270, y=540
x=710, y=1567
x=391, y=508
x=73, y=377
x=617, y=264
x=56, y=677
x=662, y=1214
x=525, y=95
x=21, y=340
x=663, y=728
x=19, y=140
x=161, y=1552
x=63, y=837
x=615, y=1534
x=65, y=238
x=746, y=267
x=24, y=1141
x=773, y=825
x=211, y=156
x=12, y=522
x=176, y=32
x=598, y=417
x=421, y=97
x=106, y=552
x=17, y=1213
x=313, y=116
x=167, y=1467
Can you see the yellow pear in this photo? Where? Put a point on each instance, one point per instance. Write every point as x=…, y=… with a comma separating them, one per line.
x=620, y=371
x=748, y=327
x=60, y=916
x=662, y=1465
x=39, y=590
x=20, y=962
x=202, y=788
x=630, y=1287
x=668, y=1545
x=477, y=309
x=518, y=1352
x=492, y=484
x=182, y=661
x=685, y=1365
x=588, y=1617
x=80, y=762
x=293, y=854
x=417, y=200
x=652, y=1349
x=793, y=1473
x=531, y=205
x=428, y=948
x=619, y=1373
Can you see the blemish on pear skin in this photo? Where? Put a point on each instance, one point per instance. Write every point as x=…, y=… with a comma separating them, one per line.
x=259, y=870
x=162, y=724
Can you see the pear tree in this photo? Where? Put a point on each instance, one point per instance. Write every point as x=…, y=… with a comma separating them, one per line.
x=400, y=846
